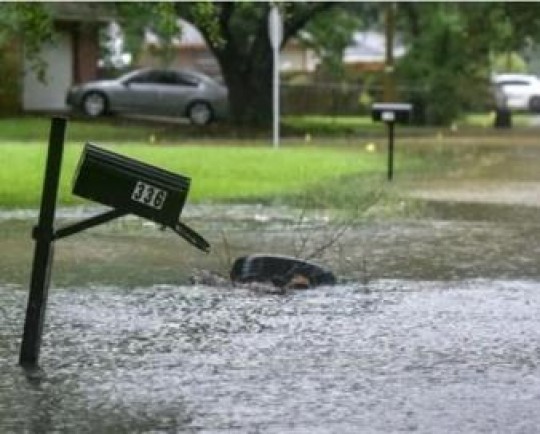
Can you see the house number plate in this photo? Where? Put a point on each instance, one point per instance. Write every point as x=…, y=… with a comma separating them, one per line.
x=149, y=195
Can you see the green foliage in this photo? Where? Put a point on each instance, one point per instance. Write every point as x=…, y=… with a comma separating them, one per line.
x=523, y=19
x=508, y=62
x=329, y=34
x=450, y=51
x=206, y=14
x=30, y=22
x=159, y=17
x=445, y=67
x=237, y=34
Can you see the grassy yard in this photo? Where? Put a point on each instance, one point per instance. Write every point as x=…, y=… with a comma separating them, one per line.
x=333, y=171
x=220, y=169
x=218, y=172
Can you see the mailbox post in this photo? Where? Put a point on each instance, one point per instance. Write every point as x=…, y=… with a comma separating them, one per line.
x=43, y=234
x=391, y=113
x=124, y=184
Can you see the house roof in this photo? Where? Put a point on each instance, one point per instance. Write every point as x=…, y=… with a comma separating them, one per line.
x=370, y=46
x=366, y=47
x=190, y=35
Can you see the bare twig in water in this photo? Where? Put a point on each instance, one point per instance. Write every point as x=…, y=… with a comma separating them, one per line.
x=335, y=236
x=304, y=239
x=226, y=250
x=365, y=274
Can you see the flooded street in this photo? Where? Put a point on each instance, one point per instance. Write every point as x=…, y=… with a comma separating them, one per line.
x=435, y=327
x=400, y=356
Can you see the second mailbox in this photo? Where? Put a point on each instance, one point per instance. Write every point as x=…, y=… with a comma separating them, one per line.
x=130, y=185
x=398, y=112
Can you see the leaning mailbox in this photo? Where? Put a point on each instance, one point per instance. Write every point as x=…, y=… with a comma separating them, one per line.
x=133, y=187
x=126, y=186
x=391, y=113
x=124, y=183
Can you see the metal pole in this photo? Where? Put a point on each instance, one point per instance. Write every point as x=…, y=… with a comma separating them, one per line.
x=390, y=150
x=275, y=33
x=389, y=25
x=276, y=96
x=43, y=253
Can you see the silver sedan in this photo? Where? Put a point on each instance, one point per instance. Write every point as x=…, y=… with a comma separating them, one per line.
x=157, y=92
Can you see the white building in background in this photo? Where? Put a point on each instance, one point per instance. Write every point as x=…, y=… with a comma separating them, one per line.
x=366, y=52
x=71, y=57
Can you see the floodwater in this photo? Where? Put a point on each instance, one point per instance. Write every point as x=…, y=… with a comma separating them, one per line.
x=435, y=327
x=402, y=356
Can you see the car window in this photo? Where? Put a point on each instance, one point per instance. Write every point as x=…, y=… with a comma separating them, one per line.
x=514, y=83
x=168, y=78
x=164, y=77
x=183, y=79
x=142, y=77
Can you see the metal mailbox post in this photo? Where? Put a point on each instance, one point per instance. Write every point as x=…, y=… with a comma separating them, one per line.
x=391, y=113
x=126, y=185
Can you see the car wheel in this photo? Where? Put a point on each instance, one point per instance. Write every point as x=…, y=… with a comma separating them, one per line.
x=534, y=104
x=94, y=104
x=200, y=113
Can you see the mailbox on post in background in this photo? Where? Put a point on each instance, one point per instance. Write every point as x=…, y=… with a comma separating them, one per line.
x=391, y=113
x=130, y=185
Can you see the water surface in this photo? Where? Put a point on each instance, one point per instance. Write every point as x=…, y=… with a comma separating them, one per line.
x=434, y=327
x=392, y=356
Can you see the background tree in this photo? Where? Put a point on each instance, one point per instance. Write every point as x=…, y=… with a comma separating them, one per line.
x=136, y=19
x=330, y=33
x=21, y=21
x=30, y=22
x=237, y=35
x=451, y=47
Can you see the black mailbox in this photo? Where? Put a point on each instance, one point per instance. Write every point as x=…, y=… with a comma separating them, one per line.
x=129, y=185
x=391, y=112
x=126, y=185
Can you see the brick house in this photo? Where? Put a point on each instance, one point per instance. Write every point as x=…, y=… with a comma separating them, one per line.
x=71, y=58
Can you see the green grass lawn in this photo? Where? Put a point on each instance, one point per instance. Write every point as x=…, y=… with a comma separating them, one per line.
x=217, y=172
x=330, y=172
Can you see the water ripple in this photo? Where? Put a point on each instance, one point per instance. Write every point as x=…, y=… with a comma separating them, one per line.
x=394, y=356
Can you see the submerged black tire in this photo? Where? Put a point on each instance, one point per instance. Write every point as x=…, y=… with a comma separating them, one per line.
x=278, y=269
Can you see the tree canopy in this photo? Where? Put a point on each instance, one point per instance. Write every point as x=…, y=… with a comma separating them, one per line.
x=237, y=35
x=30, y=21
x=451, y=45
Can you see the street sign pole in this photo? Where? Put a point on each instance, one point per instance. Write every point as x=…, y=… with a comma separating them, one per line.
x=275, y=30
x=275, y=95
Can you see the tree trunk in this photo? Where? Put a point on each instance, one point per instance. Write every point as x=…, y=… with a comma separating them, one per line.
x=237, y=35
x=249, y=81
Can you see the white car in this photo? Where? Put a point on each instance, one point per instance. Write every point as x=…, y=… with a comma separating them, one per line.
x=518, y=91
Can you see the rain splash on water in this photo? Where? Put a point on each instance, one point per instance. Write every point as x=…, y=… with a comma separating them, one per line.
x=436, y=328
